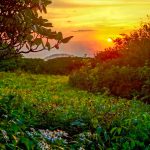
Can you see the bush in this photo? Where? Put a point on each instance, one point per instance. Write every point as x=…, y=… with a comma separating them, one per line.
x=127, y=82
x=57, y=66
x=122, y=70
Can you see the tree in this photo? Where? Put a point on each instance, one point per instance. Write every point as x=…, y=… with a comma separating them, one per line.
x=129, y=49
x=22, y=26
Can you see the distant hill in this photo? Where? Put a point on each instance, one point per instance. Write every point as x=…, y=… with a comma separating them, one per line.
x=57, y=56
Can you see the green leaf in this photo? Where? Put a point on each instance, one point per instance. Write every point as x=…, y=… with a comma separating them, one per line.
x=119, y=130
x=106, y=136
x=28, y=143
x=48, y=25
x=78, y=123
x=66, y=40
x=38, y=41
x=59, y=36
x=99, y=130
x=29, y=37
x=94, y=122
x=113, y=129
x=44, y=9
x=48, y=45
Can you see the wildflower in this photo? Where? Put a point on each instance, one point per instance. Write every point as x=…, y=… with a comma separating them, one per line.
x=81, y=148
x=44, y=146
x=5, y=136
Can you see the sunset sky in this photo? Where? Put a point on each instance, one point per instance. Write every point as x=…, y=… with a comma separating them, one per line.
x=93, y=22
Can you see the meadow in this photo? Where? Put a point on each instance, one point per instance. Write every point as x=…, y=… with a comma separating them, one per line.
x=45, y=112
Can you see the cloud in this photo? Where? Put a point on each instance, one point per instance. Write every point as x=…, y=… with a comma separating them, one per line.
x=84, y=30
x=95, y=3
x=69, y=21
x=79, y=3
x=68, y=4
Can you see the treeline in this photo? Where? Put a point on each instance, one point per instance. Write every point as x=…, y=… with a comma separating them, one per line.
x=57, y=66
x=122, y=70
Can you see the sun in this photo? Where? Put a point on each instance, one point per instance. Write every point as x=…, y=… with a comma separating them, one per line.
x=109, y=40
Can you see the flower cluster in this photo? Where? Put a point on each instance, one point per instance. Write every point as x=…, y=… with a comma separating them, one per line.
x=46, y=137
x=53, y=135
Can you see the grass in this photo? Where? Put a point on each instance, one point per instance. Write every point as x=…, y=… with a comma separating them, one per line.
x=49, y=102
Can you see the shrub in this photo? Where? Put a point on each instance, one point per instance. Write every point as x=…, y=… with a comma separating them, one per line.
x=122, y=70
x=57, y=66
x=123, y=81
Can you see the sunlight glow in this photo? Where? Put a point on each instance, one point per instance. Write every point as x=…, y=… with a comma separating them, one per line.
x=95, y=23
x=109, y=40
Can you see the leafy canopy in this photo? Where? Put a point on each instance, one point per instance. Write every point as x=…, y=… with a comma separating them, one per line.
x=129, y=49
x=22, y=26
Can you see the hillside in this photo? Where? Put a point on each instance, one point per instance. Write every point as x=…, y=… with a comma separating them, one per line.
x=39, y=111
x=57, y=56
x=56, y=66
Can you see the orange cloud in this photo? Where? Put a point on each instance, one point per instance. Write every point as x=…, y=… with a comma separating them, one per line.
x=94, y=21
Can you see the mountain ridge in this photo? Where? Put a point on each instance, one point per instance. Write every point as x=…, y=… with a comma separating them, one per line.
x=53, y=56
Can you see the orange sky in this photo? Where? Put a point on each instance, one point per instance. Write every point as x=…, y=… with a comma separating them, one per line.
x=92, y=22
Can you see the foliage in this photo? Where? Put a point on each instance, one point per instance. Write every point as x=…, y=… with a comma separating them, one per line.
x=63, y=66
x=21, y=26
x=108, y=54
x=130, y=49
x=122, y=70
x=41, y=112
x=127, y=82
x=57, y=66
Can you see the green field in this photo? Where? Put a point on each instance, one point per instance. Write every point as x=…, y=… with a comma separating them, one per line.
x=92, y=121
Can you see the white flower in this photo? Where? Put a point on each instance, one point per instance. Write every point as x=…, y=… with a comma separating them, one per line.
x=4, y=133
